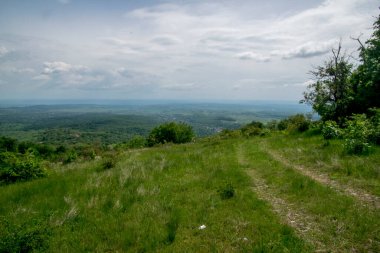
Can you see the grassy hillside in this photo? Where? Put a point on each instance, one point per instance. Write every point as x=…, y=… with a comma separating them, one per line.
x=282, y=193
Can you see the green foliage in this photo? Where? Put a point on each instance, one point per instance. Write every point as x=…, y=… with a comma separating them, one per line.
x=331, y=130
x=331, y=94
x=356, y=134
x=24, y=146
x=228, y=133
x=272, y=125
x=108, y=163
x=295, y=123
x=366, y=78
x=31, y=236
x=227, y=191
x=8, y=144
x=252, y=129
x=137, y=141
x=15, y=168
x=374, y=115
x=170, y=132
x=339, y=91
x=70, y=157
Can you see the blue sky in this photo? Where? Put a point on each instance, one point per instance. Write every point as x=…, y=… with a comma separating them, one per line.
x=225, y=50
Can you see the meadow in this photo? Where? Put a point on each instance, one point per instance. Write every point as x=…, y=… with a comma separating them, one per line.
x=282, y=192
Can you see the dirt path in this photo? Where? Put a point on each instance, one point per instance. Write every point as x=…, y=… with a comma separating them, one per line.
x=304, y=224
x=360, y=195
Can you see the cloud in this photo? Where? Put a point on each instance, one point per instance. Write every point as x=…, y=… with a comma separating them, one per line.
x=63, y=74
x=307, y=50
x=214, y=43
x=166, y=40
x=23, y=70
x=56, y=67
x=180, y=86
x=3, y=51
x=253, y=56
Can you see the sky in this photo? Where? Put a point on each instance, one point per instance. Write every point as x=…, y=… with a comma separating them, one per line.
x=167, y=49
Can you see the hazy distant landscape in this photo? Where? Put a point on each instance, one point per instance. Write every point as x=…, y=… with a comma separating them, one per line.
x=114, y=122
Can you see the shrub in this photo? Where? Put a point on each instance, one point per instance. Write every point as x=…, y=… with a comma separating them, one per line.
x=137, y=141
x=265, y=132
x=257, y=124
x=283, y=124
x=70, y=157
x=297, y=122
x=356, y=134
x=331, y=130
x=8, y=144
x=227, y=191
x=228, y=133
x=251, y=131
x=32, y=236
x=108, y=163
x=19, y=168
x=375, y=125
x=272, y=125
x=170, y=132
x=24, y=146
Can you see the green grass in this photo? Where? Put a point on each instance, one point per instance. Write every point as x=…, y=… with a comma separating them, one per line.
x=152, y=200
x=312, y=152
x=155, y=200
x=345, y=224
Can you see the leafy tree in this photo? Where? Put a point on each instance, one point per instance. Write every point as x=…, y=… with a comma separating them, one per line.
x=331, y=94
x=170, y=132
x=8, y=144
x=366, y=78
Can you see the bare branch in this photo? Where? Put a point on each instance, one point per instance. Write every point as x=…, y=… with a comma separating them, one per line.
x=362, y=47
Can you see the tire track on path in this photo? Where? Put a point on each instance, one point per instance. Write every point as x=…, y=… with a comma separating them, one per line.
x=365, y=198
x=304, y=224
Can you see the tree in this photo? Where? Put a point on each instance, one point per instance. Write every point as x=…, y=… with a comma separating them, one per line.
x=331, y=94
x=366, y=78
x=170, y=132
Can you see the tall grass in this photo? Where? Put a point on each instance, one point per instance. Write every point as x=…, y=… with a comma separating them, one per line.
x=151, y=200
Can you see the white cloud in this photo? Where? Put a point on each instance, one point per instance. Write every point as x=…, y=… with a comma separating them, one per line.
x=166, y=40
x=188, y=45
x=56, y=67
x=253, y=56
x=3, y=51
x=23, y=70
x=309, y=49
x=180, y=86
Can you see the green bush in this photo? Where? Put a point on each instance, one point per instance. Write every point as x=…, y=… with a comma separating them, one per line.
x=228, y=133
x=357, y=134
x=70, y=157
x=283, y=124
x=137, y=141
x=15, y=168
x=272, y=125
x=375, y=124
x=251, y=131
x=8, y=144
x=227, y=191
x=331, y=130
x=295, y=123
x=170, y=132
x=32, y=236
x=108, y=163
